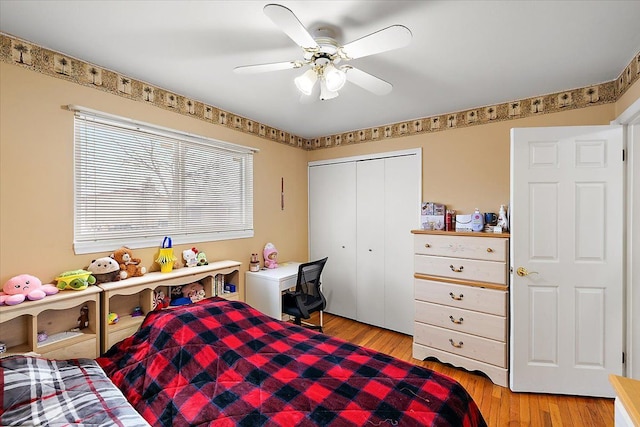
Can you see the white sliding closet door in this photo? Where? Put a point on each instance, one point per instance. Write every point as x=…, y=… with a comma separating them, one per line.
x=332, y=233
x=402, y=206
x=370, y=259
x=361, y=213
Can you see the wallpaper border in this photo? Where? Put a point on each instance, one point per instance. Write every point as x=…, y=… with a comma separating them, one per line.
x=31, y=56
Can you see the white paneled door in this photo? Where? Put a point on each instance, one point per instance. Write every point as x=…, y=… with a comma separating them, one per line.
x=567, y=259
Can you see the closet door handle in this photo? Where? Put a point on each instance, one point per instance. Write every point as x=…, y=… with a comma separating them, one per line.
x=457, y=298
x=459, y=345
x=456, y=270
x=457, y=322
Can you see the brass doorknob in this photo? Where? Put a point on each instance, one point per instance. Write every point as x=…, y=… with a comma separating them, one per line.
x=521, y=271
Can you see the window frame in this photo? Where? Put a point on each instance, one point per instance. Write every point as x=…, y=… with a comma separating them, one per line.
x=85, y=242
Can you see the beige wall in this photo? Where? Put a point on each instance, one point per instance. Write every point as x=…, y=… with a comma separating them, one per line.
x=468, y=168
x=36, y=178
x=463, y=168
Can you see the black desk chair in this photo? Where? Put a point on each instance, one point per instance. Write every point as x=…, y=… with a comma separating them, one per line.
x=307, y=297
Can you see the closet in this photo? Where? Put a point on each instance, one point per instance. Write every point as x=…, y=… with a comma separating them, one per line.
x=361, y=213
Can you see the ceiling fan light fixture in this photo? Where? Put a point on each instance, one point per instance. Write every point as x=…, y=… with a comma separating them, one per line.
x=334, y=78
x=306, y=81
x=325, y=92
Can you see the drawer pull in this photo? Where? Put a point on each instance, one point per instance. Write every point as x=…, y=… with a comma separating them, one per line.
x=489, y=250
x=457, y=298
x=426, y=245
x=456, y=270
x=457, y=322
x=459, y=345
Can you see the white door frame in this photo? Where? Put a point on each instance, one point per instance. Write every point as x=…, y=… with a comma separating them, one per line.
x=630, y=119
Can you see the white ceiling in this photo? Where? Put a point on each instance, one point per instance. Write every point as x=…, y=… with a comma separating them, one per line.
x=464, y=54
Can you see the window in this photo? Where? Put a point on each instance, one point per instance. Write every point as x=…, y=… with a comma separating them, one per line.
x=136, y=183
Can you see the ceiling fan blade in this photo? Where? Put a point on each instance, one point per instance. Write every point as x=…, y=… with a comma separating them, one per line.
x=389, y=38
x=262, y=68
x=290, y=25
x=367, y=81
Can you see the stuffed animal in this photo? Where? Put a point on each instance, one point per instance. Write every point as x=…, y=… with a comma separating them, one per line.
x=112, y=318
x=186, y=294
x=104, y=269
x=202, y=258
x=77, y=280
x=24, y=286
x=190, y=257
x=129, y=266
x=270, y=254
x=160, y=300
x=83, y=320
x=194, y=291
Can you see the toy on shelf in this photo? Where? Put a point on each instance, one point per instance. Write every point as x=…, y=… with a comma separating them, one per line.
x=77, y=280
x=187, y=294
x=165, y=259
x=83, y=320
x=160, y=300
x=105, y=270
x=129, y=266
x=22, y=287
x=42, y=336
x=112, y=318
x=270, y=254
x=137, y=312
x=190, y=257
x=201, y=257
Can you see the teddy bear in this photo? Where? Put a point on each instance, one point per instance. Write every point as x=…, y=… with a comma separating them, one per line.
x=83, y=320
x=24, y=286
x=129, y=266
x=104, y=269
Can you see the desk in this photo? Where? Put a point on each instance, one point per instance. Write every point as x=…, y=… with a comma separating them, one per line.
x=264, y=288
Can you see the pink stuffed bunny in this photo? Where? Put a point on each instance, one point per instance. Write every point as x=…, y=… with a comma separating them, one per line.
x=22, y=287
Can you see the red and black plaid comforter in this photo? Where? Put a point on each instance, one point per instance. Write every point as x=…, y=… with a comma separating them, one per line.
x=224, y=363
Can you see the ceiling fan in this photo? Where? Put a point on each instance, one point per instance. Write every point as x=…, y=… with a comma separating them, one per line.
x=323, y=54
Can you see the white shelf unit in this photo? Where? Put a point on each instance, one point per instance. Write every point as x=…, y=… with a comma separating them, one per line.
x=123, y=296
x=56, y=315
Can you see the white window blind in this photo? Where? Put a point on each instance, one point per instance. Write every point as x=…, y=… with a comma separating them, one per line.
x=136, y=183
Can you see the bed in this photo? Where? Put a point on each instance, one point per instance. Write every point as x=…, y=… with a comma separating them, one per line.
x=43, y=392
x=223, y=363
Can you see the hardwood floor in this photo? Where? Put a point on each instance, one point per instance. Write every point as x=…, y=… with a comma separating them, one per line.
x=499, y=406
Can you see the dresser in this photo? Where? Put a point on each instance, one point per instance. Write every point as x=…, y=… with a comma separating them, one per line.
x=461, y=294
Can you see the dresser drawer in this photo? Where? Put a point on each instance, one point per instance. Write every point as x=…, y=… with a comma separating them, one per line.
x=481, y=248
x=473, y=347
x=460, y=296
x=462, y=269
x=470, y=322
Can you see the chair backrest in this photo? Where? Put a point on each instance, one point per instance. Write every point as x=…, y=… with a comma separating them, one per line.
x=309, y=277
